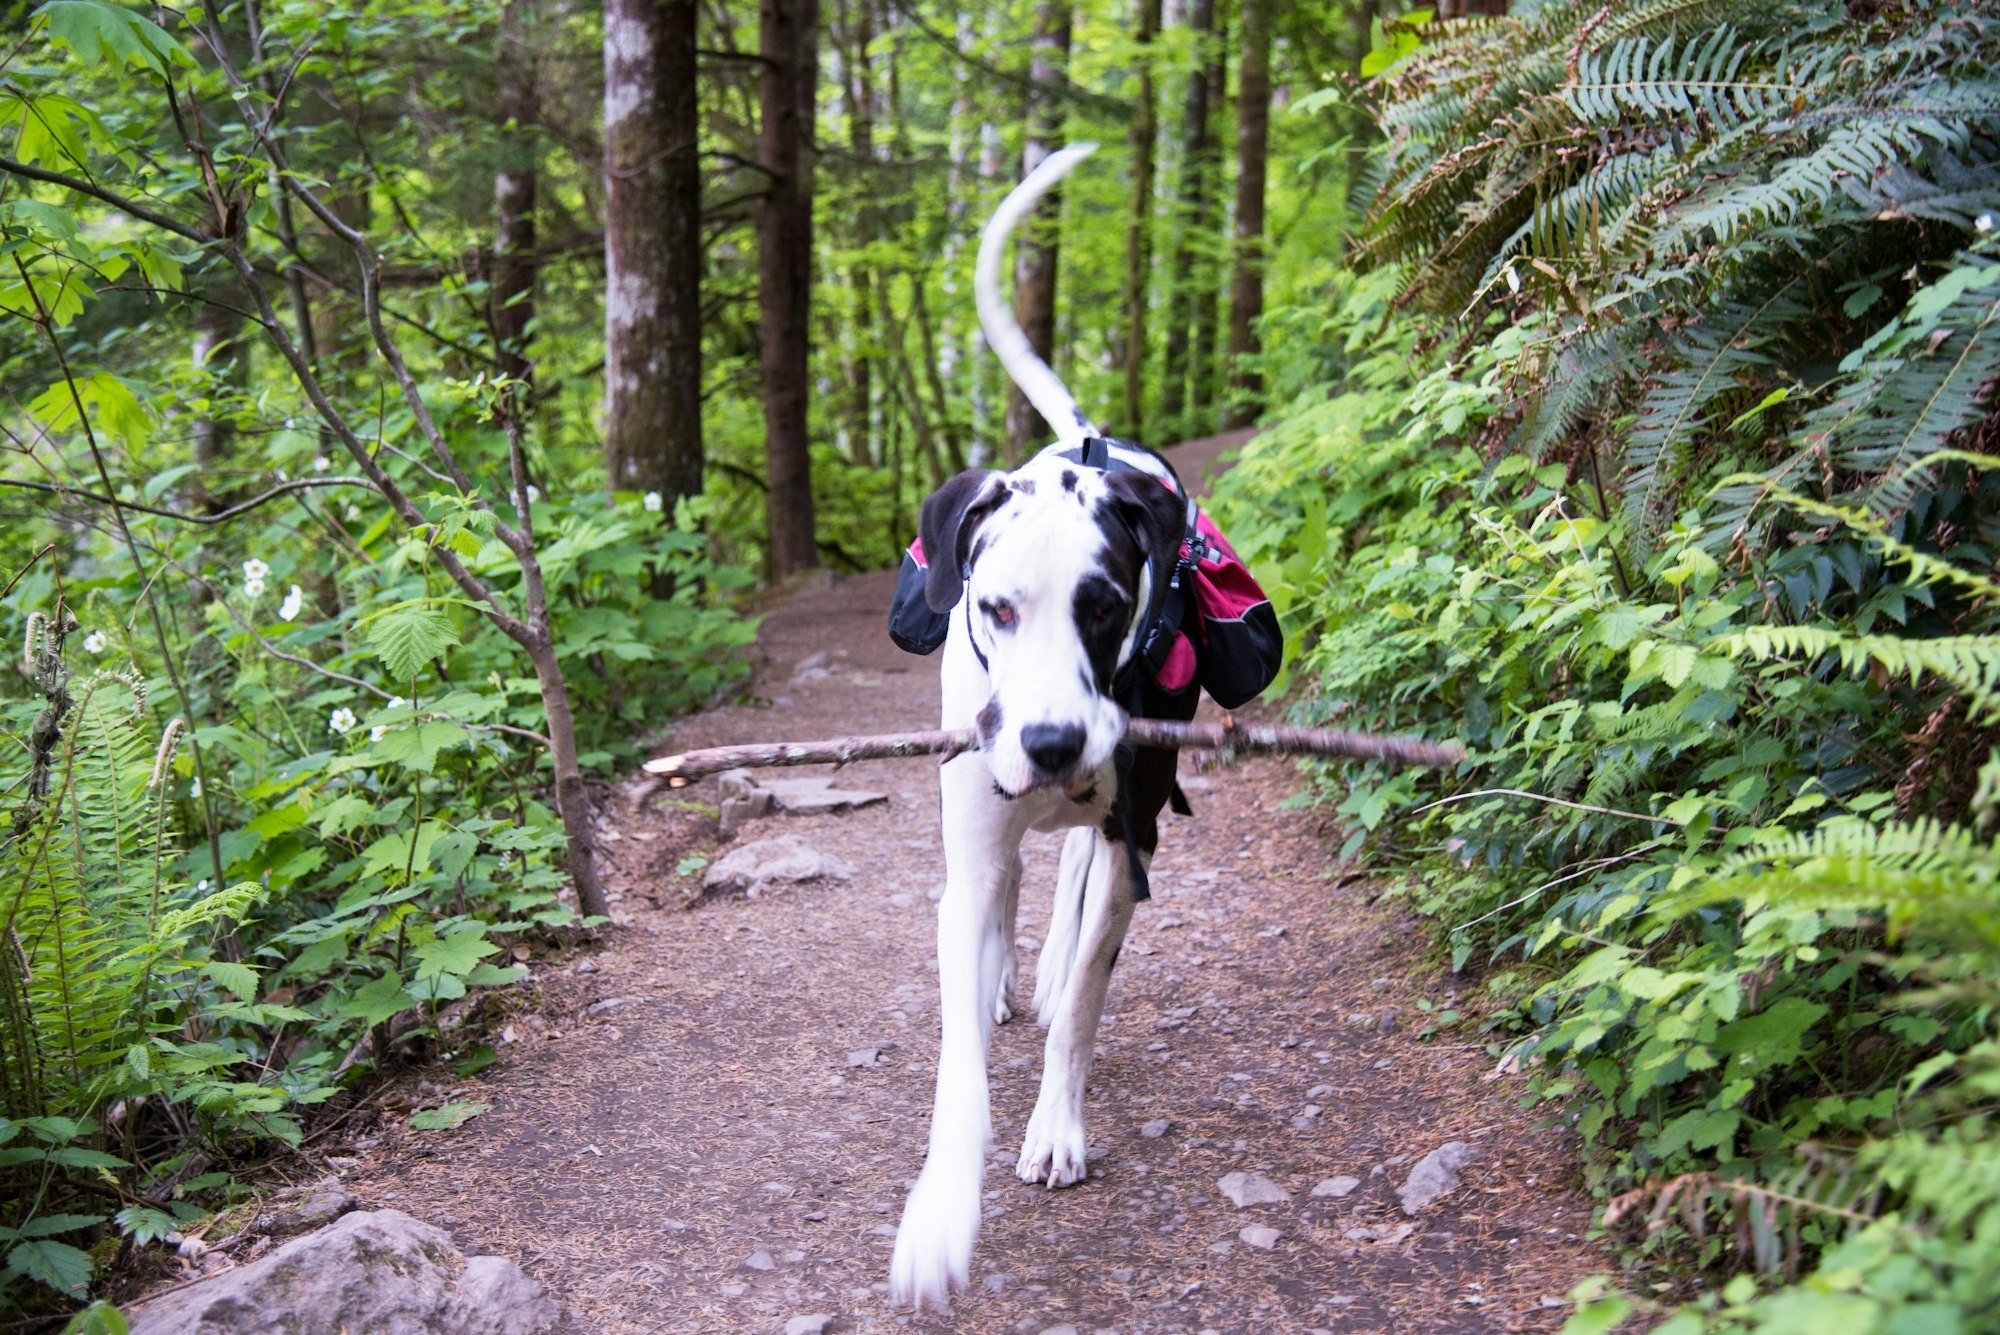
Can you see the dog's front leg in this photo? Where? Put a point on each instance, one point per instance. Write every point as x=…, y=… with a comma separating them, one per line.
x=941, y=1218
x=1055, y=1147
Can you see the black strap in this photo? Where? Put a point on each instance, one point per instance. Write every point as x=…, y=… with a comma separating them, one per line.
x=970, y=638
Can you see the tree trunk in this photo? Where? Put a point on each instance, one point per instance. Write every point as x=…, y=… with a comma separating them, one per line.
x=860, y=88
x=1036, y=254
x=220, y=353
x=1139, y=231
x=510, y=288
x=652, y=249
x=1246, y=289
x=1189, y=213
x=1205, y=294
x=787, y=41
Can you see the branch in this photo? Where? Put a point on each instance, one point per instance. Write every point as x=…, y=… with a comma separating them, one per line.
x=116, y=201
x=297, y=484
x=1163, y=734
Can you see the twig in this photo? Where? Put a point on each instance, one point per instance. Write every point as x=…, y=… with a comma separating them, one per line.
x=1552, y=801
x=1159, y=733
x=218, y=517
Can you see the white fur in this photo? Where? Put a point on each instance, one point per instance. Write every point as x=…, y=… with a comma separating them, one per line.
x=996, y=315
x=1033, y=551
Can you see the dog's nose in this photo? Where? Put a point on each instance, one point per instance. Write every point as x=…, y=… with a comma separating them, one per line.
x=1053, y=747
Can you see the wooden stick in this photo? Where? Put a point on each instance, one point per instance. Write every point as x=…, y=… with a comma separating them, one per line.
x=683, y=769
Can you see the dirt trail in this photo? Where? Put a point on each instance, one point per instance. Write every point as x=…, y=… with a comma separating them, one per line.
x=680, y=1139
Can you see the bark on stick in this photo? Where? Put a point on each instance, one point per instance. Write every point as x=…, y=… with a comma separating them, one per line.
x=1230, y=735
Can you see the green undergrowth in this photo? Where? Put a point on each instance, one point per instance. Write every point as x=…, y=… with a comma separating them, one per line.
x=1648, y=449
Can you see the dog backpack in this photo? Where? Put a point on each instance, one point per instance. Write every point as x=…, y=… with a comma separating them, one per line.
x=1210, y=622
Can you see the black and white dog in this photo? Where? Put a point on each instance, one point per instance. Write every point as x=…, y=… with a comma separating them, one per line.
x=1047, y=573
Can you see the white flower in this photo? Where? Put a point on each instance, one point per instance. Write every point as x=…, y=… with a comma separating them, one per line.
x=296, y=599
x=321, y=463
x=201, y=887
x=253, y=588
x=340, y=720
x=1513, y=279
x=194, y=790
x=254, y=569
x=534, y=493
x=1983, y=223
x=353, y=513
x=378, y=732
x=96, y=642
x=395, y=702
x=653, y=503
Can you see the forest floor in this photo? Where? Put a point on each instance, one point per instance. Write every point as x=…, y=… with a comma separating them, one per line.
x=688, y=1134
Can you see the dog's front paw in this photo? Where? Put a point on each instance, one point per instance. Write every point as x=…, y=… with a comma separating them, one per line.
x=1053, y=1151
x=934, y=1244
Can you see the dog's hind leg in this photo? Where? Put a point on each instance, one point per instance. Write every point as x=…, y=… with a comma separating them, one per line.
x=941, y=1217
x=1065, y=924
x=1006, y=965
x=1054, y=1149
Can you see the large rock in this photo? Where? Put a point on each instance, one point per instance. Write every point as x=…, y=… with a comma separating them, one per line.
x=1247, y=1189
x=374, y=1270
x=751, y=867
x=747, y=797
x=1435, y=1175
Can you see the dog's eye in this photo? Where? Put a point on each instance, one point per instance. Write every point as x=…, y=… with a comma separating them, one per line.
x=1105, y=614
x=1001, y=611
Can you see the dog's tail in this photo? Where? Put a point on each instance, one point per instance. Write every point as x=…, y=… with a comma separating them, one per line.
x=996, y=315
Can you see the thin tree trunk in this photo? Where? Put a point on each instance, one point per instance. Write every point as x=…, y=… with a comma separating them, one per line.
x=861, y=282
x=787, y=39
x=947, y=425
x=1188, y=212
x=219, y=352
x=1246, y=289
x=1036, y=254
x=912, y=394
x=652, y=249
x=511, y=275
x=1205, y=303
x=1139, y=231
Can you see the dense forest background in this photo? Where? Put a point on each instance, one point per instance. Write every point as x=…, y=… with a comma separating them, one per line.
x=404, y=399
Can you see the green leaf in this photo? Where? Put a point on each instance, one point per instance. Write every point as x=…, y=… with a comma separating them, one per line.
x=48, y=1225
x=417, y=748
x=379, y=1000
x=106, y=34
x=142, y=1223
x=100, y=1318
x=56, y=1264
x=238, y=978
x=457, y=954
x=408, y=638
x=450, y=1117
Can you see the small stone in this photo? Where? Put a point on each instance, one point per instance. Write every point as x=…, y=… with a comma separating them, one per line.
x=996, y=1283
x=808, y=1325
x=1261, y=1236
x=1336, y=1186
x=1248, y=1189
x=901, y=901
x=608, y=1004
x=1435, y=1175
x=1064, y=1329
x=1156, y=1128
x=864, y=1057
x=761, y=1260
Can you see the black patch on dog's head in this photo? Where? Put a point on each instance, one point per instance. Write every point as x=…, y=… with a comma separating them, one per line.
x=989, y=721
x=951, y=516
x=1069, y=479
x=1139, y=518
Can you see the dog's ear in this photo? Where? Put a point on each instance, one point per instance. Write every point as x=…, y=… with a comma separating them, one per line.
x=950, y=517
x=1151, y=509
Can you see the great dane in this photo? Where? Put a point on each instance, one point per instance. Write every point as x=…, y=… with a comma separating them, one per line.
x=1046, y=575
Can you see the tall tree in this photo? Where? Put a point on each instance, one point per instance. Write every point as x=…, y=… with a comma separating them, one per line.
x=1204, y=289
x=1190, y=212
x=1246, y=289
x=1139, y=231
x=652, y=248
x=511, y=273
x=1036, y=253
x=787, y=43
